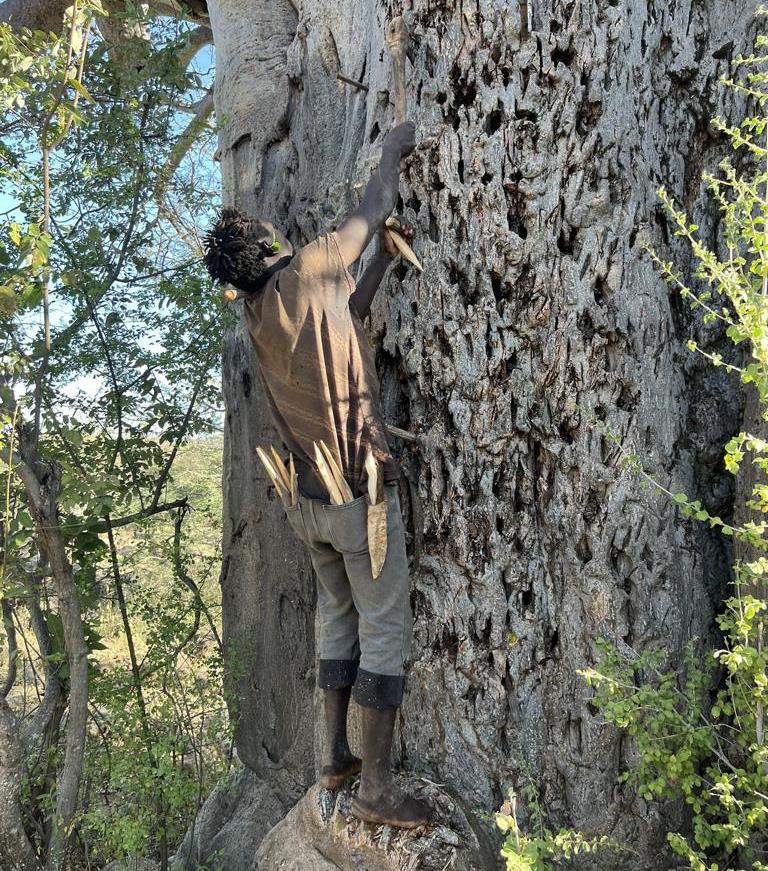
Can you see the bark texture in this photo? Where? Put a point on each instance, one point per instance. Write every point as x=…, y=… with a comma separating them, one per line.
x=545, y=129
x=16, y=851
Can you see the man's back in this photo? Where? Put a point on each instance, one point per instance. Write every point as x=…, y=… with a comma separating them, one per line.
x=317, y=366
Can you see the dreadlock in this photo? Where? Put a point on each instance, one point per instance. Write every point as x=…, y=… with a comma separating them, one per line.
x=233, y=253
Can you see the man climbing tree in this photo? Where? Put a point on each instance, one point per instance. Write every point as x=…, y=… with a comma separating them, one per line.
x=304, y=315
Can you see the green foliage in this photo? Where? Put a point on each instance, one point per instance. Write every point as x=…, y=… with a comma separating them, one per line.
x=539, y=851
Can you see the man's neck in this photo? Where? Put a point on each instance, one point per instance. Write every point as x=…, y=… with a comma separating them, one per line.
x=270, y=271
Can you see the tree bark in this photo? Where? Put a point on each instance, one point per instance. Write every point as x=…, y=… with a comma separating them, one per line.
x=42, y=481
x=545, y=128
x=16, y=851
x=36, y=14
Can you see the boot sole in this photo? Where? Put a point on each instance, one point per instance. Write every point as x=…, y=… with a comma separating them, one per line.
x=366, y=814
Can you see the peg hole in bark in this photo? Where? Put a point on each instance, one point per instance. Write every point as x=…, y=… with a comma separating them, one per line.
x=494, y=120
x=660, y=217
x=375, y=130
x=447, y=644
x=566, y=242
x=627, y=400
x=434, y=229
x=562, y=56
x=583, y=550
x=464, y=92
x=497, y=487
x=600, y=289
x=527, y=600
x=414, y=203
x=565, y=432
x=496, y=285
x=526, y=115
x=587, y=116
x=516, y=225
x=430, y=59
x=552, y=642
x=400, y=271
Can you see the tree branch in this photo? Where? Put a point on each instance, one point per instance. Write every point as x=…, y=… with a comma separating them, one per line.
x=194, y=40
x=184, y=143
x=13, y=649
x=140, y=515
x=49, y=14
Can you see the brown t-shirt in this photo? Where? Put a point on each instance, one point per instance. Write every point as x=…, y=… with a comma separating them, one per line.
x=317, y=366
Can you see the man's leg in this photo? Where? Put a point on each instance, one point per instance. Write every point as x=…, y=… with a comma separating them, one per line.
x=385, y=637
x=339, y=657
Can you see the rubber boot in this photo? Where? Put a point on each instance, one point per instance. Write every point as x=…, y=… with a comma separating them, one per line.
x=341, y=763
x=378, y=799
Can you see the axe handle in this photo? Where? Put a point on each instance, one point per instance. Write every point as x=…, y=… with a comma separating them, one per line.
x=397, y=41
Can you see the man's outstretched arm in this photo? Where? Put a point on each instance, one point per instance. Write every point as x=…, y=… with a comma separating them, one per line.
x=379, y=197
x=370, y=280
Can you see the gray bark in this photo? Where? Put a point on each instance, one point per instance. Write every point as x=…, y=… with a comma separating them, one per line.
x=35, y=14
x=546, y=128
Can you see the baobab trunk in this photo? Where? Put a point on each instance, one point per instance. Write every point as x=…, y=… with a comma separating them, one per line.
x=545, y=128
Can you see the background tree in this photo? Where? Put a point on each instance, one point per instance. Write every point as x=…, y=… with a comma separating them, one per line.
x=98, y=397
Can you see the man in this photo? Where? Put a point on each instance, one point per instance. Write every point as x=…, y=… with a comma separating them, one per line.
x=304, y=315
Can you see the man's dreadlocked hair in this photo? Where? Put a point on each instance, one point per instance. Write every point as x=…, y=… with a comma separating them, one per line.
x=233, y=253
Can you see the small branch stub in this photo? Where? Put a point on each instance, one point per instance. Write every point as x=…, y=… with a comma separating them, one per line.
x=355, y=84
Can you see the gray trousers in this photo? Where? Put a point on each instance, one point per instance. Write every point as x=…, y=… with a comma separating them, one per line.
x=364, y=624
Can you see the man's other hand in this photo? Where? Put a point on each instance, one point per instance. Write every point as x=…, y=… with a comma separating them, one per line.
x=386, y=245
x=401, y=139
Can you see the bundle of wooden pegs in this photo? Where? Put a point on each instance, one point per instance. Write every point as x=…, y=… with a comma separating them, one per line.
x=285, y=481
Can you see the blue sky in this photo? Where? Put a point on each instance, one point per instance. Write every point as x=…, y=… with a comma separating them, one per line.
x=203, y=64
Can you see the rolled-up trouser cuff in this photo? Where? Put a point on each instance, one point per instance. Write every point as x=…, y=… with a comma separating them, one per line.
x=378, y=690
x=334, y=674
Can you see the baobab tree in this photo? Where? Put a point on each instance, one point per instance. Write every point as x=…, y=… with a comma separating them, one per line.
x=544, y=129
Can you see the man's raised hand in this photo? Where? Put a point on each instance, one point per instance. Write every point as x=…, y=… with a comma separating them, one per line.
x=401, y=139
x=386, y=245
